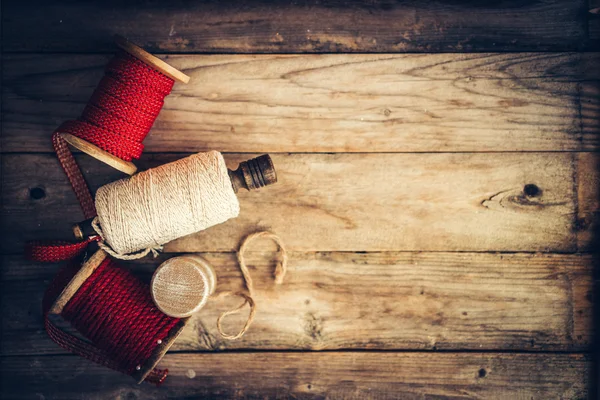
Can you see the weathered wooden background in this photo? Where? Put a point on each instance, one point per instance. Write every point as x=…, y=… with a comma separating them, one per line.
x=420, y=266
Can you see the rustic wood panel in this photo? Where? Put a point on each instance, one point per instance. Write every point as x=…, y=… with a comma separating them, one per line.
x=444, y=301
x=331, y=103
x=347, y=202
x=362, y=375
x=310, y=26
x=331, y=208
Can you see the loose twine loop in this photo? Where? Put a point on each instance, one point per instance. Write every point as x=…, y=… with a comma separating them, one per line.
x=132, y=256
x=248, y=296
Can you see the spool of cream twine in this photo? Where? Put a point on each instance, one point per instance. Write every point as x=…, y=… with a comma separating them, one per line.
x=138, y=215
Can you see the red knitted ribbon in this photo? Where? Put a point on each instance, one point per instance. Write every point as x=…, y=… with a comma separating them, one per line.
x=113, y=309
x=69, y=165
x=55, y=251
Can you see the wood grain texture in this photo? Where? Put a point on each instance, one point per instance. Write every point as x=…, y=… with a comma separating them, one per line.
x=589, y=101
x=344, y=216
x=384, y=301
x=362, y=375
x=181, y=286
x=593, y=20
x=588, y=176
x=344, y=202
x=331, y=103
x=588, y=201
x=310, y=26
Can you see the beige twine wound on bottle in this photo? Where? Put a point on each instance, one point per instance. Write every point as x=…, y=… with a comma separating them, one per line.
x=138, y=215
x=279, y=274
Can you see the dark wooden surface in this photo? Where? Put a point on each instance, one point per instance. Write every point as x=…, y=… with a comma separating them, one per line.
x=419, y=267
x=347, y=375
x=311, y=26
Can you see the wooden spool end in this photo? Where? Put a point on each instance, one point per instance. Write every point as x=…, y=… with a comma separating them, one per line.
x=151, y=60
x=181, y=286
x=99, y=154
x=86, y=270
x=254, y=174
x=84, y=229
x=159, y=352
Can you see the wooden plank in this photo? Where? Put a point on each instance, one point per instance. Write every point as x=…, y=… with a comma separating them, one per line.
x=327, y=103
x=344, y=202
x=363, y=375
x=290, y=27
x=445, y=301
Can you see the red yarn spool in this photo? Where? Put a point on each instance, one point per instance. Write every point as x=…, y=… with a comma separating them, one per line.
x=123, y=107
x=103, y=301
x=114, y=310
x=118, y=116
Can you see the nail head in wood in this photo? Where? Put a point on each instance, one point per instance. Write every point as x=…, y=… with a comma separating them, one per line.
x=532, y=190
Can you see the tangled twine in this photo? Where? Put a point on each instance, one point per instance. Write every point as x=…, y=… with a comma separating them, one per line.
x=248, y=295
